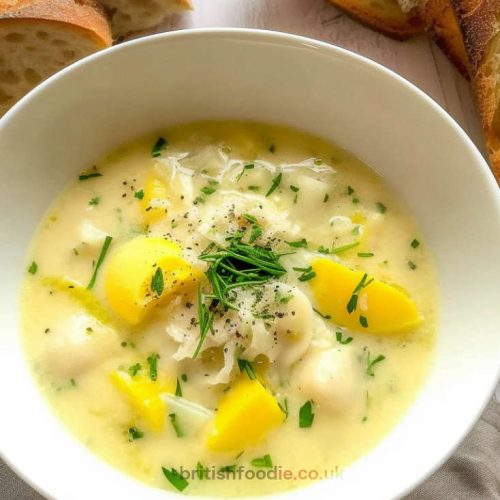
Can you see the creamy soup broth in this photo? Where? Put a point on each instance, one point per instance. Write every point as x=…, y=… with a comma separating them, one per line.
x=207, y=187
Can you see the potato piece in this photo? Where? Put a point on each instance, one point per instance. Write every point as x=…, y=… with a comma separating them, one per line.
x=387, y=309
x=83, y=297
x=154, y=201
x=144, y=395
x=328, y=377
x=130, y=271
x=245, y=415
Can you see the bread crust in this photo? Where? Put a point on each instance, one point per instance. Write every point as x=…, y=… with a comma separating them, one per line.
x=80, y=15
x=439, y=16
x=480, y=28
x=389, y=20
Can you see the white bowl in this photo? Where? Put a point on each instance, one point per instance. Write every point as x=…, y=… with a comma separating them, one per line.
x=85, y=111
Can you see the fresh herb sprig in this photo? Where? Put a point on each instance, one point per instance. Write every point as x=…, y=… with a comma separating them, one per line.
x=274, y=184
x=246, y=366
x=175, y=479
x=306, y=415
x=205, y=320
x=264, y=461
x=353, y=301
x=370, y=364
x=237, y=265
x=102, y=255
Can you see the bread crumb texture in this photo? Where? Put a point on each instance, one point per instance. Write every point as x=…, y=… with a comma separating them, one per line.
x=38, y=38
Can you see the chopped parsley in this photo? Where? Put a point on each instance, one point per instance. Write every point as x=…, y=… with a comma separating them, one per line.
x=363, y=321
x=207, y=190
x=253, y=188
x=178, y=388
x=370, y=364
x=344, y=248
x=295, y=189
x=33, y=268
x=365, y=254
x=275, y=183
x=158, y=147
x=95, y=201
x=322, y=249
x=175, y=425
x=102, y=255
x=157, y=283
x=184, y=377
x=250, y=166
x=175, y=479
x=134, y=433
x=298, y=244
x=256, y=233
x=250, y=218
x=73, y=382
x=227, y=468
x=264, y=461
x=353, y=301
x=306, y=415
x=284, y=407
x=412, y=265
x=381, y=207
x=153, y=366
x=340, y=340
x=350, y=190
x=415, y=243
x=283, y=299
x=307, y=273
x=84, y=177
x=326, y=197
x=324, y=316
x=134, y=369
x=201, y=471
x=247, y=367
x=139, y=194
x=205, y=320
x=272, y=148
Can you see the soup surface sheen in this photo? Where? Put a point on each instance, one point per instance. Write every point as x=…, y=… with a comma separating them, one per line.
x=305, y=362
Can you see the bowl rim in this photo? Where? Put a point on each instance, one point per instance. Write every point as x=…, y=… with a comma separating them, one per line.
x=290, y=40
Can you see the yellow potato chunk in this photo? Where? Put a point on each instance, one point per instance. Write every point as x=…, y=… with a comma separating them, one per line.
x=155, y=191
x=144, y=395
x=245, y=415
x=129, y=276
x=385, y=308
x=85, y=298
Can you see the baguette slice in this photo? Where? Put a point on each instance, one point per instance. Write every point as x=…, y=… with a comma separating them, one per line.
x=479, y=21
x=385, y=16
x=130, y=16
x=439, y=16
x=40, y=37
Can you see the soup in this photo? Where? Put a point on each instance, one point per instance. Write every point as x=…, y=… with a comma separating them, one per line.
x=229, y=309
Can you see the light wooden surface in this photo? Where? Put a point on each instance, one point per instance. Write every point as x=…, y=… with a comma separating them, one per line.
x=418, y=60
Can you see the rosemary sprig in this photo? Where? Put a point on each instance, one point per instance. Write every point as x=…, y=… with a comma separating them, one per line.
x=205, y=319
x=237, y=265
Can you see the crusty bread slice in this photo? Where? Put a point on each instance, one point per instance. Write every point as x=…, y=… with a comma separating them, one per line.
x=385, y=16
x=130, y=16
x=439, y=16
x=479, y=20
x=40, y=37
